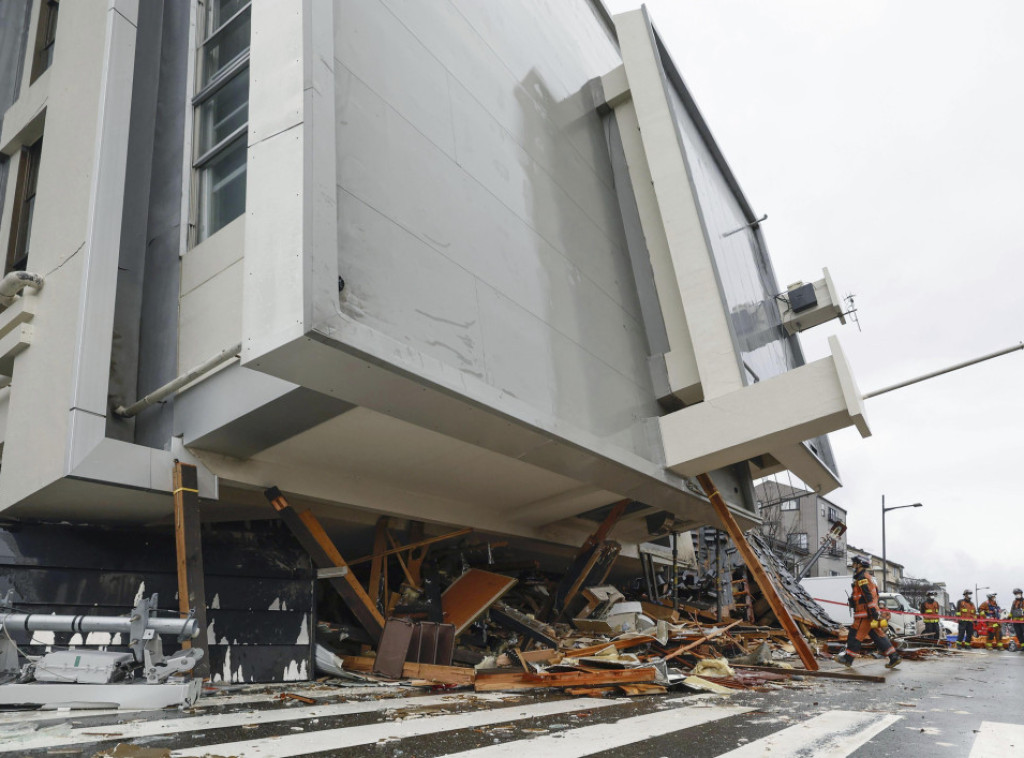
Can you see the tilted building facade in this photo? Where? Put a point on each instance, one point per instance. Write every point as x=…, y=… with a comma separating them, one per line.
x=480, y=263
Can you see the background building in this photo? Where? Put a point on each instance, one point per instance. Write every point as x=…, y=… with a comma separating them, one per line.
x=893, y=573
x=796, y=521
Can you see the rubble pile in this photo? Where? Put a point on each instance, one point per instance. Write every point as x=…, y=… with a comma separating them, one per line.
x=501, y=624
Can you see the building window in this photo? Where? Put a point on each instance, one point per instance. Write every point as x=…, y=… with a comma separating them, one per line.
x=24, y=207
x=46, y=35
x=833, y=514
x=222, y=114
x=790, y=505
x=797, y=541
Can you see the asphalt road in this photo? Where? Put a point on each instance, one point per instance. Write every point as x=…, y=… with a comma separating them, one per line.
x=966, y=704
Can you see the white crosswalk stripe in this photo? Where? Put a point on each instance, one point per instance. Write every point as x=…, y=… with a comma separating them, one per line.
x=831, y=735
x=337, y=739
x=593, y=739
x=217, y=701
x=125, y=732
x=996, y=740
x=588, y=727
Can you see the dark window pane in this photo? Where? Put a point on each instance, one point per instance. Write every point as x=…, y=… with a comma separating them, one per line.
x=219, y=11
x=222, y=188
x=226, y=45
x=224, y=112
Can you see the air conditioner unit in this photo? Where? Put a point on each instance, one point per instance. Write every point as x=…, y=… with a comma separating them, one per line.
x=802, y=306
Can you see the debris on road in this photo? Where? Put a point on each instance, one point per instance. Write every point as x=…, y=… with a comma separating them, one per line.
x=452, y=620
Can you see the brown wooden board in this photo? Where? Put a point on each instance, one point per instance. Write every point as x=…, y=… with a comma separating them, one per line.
x=442, y=674
x=393, y=648
x=189, y=544
x=471, y=595
x=314, y=540
x=522, y=681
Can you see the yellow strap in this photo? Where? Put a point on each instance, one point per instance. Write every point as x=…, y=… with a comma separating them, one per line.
x=185, y=489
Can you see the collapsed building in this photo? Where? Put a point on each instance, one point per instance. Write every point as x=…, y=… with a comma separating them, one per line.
x=457, y=265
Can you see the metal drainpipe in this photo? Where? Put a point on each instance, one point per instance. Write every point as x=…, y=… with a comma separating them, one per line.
x=174, y=385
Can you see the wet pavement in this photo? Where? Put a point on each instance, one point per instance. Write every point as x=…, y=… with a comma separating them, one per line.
x=964, y=704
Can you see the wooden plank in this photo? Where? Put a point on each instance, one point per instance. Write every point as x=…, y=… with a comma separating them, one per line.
x=815, y=673
x=401, y=562
x=410, y=546
x=428, y=671
x=189, y=545
x=686, y=648
x=321, y=549
x=585, y=560
x=378, y=565
x=760, y=575
x=522, y=681
x=623, y=644
x=471, y=595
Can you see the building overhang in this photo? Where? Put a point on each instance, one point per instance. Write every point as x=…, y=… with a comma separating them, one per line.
x=771, y=417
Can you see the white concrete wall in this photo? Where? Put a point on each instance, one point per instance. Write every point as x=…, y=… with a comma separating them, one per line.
x=85, y=96
x=210, y=315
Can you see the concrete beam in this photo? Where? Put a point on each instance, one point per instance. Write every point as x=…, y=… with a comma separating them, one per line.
x=770, y=416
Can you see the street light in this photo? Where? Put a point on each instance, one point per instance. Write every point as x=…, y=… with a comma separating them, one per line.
x=885, y=562
x=976, y=588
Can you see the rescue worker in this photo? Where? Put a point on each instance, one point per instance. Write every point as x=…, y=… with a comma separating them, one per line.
x=867, y=619
x=1017, y=614
x=990, y=610
x=930, y=611
x=965, y=613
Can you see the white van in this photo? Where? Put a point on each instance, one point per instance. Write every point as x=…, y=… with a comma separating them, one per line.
x=833, y=594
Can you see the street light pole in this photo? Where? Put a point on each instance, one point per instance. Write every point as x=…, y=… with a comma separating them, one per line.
x=885, y=559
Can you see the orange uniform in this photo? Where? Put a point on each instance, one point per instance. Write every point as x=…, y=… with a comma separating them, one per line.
x=868, y=621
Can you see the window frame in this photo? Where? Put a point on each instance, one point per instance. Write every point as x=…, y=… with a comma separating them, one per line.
x=797, y=544
x=23, y=207
x=46, y=38
x=199, y=206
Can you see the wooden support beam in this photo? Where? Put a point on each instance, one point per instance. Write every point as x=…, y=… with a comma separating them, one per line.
x=311, y=535
x=418, y=554
x=760, y=575
x=379, y=564
x=590, y=555
x=189, y=546
x=410, y=546
x=401, y=563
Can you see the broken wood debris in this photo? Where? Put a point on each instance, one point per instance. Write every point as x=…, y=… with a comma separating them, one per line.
x=462, y=610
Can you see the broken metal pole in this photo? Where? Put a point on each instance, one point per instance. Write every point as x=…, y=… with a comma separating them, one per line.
x=189, y=547
x=760, y=575
x=314, y=540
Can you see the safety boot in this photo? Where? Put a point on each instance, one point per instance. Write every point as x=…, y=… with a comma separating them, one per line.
x=894, y=661
x=845, y=658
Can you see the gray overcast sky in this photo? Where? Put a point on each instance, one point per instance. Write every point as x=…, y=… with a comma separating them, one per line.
x=885, y=140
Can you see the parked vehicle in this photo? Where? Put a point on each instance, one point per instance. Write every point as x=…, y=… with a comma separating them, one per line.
x=833, y=593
